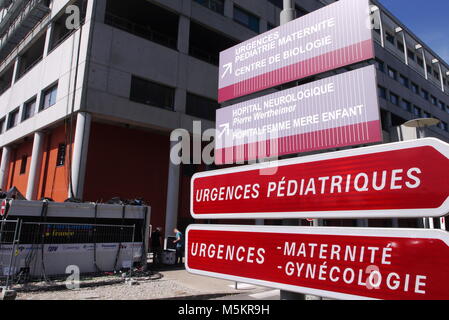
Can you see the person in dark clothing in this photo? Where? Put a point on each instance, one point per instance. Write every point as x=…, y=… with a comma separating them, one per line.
x=156, y=245
x=179, y=242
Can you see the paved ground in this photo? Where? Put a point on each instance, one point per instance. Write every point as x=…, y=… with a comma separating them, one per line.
x=167, y=283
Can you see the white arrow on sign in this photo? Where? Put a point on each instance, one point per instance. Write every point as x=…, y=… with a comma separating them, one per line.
x=228, y=68
x=226, y=129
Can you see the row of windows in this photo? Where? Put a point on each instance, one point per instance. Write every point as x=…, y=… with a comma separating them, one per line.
x=406, y=82
x=60, y=158
x=162, y=96
x=28, y=59
x=414, y=56
x=407, y=106
x=48, y=99
x=245, y=17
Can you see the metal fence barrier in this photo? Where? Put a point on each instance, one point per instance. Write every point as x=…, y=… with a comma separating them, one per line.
x=9, y=238
x=30, y=250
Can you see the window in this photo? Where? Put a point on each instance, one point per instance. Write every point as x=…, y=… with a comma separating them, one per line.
x=247, y=19
x=411, y=54
x=382, y=92
x=404, y=81
x=417, y=112
x=392, y=73
x=201, y=107
x=389, y=37
x=23, y=164
x=300, y=12
x=49, y=97
x=406, y=105
x=401, y=46
x=421, y=62
x=442, y=105
x=2, y=125
x=436, y=74
x=13, y=119
x=153, y=94
x=31, y=57
x=6, y=79
x=445, y=126
x=28, y=109
x=429, y=69
x=60, y=32
x=394, y=99
x=270, y=26
x=277, y=3
x=424, y=94
x=380, y=65
x=144, y=19
x=427, y=115
x=206, y=44
x=214, y=5
x=60, y=159
x=433, y=100
x=415, y=88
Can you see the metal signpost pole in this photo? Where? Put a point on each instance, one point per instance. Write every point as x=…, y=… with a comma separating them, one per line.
x=287, y=15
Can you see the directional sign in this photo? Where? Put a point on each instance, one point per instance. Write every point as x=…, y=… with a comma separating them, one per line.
x=332, y=37
x=341, y=263
x=335, y=112
x=400, y=180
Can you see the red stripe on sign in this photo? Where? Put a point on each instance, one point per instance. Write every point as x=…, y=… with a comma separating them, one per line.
x=299, y=70
x=361, y=133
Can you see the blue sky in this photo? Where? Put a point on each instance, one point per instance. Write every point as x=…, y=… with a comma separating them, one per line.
x=429, y=20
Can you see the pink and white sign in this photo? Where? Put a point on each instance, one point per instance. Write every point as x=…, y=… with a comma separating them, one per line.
x=334, y=112
x=332, y=37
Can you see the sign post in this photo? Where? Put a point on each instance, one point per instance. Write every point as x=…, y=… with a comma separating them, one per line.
x=340, y=263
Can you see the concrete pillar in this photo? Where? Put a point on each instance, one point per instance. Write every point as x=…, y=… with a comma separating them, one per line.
x=4, y=166
x=35, y=166
x=47, y=39
x=100, y=10
x=420, y=47
x=79, y=156
x=16, y=70
x=171, y=213
x=183, y=34
x=400, y=30
x=378, y=18
x=183, y=48
x=229, y=9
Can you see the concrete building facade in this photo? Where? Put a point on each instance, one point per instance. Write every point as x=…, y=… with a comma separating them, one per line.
x=86, y=110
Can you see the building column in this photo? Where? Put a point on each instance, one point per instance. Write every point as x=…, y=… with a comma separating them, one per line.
x=35, y=166
x=47, y=40
x=4, y=166
x=417, y=47
x=376, y=11
x=79, y=156
x=229, y=9
x=437, y=62
x=171, y=214
x=183, y=48
x=400, y=30
x=16, y=70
